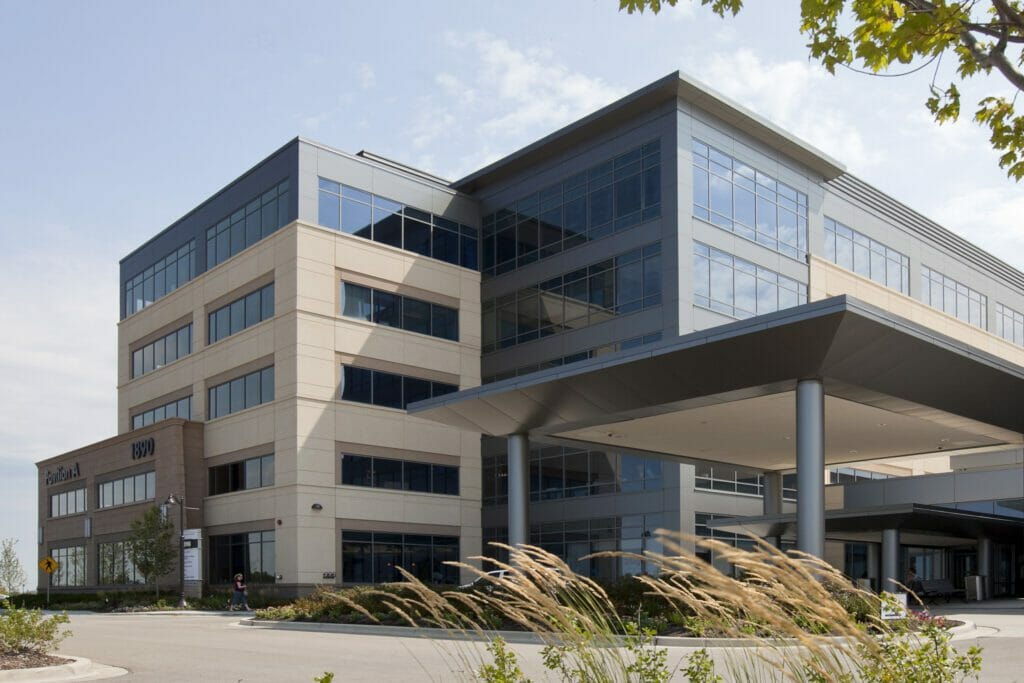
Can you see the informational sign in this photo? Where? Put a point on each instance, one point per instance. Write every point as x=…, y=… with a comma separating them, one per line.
x=192, y=544
x=894, y=606
x=49, y=565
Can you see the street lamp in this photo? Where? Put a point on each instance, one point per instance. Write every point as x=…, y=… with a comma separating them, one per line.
x=180, y=502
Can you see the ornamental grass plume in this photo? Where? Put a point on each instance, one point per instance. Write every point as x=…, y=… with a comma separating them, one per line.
x=794, y=612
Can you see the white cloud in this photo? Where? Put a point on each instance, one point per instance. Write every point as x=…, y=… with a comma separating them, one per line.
x=988, y=216
x=58, y=362
x=513, y=95
x=366, y=75
x=682, y=11
x=797, y=96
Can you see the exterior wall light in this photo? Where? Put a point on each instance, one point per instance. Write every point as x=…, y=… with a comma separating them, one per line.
x=317, y=506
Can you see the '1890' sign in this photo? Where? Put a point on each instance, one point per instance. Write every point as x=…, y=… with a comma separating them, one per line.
x=143, y=449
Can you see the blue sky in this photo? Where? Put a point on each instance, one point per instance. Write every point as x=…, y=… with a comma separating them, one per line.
x=119, y=117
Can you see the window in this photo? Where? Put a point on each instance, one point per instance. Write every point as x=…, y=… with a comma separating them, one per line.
x=587, y=296
x=71, y=571
x=954, y=298
x=861, y=254
x=558, y=472
x=163, y=351
x=749, y=203
x=576, y=357
x=387, y=389
x=67, y=503
x=376, y=218
x=850, y=475
x=115, y=565
x=260, y=217
x=241, y=313
x=374, y=557
x=614, y=195
x=253, y=389
x=180, y=408
x=161, y=278
x=573, y=541
x=407, y=475
x=1010, y=324
x=250, y=553
x=393, y=310
x=127, y=490
x=251, y=473
x=725, y=479
x=728, y=284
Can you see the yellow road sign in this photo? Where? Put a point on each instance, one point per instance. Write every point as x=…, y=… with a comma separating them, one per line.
x=49, y=565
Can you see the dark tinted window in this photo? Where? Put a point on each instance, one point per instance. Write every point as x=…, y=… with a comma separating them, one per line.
x=387, y=390
x=357, y=385
x=387, y=309
x=357, y=470
x=416, y=316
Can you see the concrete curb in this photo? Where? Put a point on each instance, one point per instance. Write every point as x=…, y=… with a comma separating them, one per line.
x=78, y=668
x=963, y=629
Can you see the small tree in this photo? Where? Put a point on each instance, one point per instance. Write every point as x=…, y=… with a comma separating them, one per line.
x=151, y=546
x=12, y=576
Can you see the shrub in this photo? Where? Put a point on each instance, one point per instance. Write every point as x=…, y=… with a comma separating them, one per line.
x=917, y=650
x=505, y=666
x=28, y=630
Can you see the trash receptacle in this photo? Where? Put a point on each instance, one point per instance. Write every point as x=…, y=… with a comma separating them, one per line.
x=974, y=587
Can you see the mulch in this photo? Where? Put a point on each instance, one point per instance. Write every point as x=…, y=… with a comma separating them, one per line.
x=29, y=660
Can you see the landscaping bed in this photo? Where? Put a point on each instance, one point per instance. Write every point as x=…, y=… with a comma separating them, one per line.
x=29, y=660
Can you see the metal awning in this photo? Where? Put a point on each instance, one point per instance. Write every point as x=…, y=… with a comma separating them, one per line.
x=893, y=388
x=918, y=524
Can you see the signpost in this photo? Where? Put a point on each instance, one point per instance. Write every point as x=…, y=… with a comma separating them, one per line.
x=894, y=606
x=49, y=565
x=192, y=540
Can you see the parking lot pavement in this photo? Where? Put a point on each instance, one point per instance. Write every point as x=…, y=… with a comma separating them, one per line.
x=211, y=648
x=999, y=630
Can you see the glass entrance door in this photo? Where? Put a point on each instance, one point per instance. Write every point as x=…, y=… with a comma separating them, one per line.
x=1003, y=573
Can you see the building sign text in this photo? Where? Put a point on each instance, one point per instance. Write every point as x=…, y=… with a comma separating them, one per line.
x=63, y=473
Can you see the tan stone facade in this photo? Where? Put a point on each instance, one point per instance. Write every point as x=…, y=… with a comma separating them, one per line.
x=306, y=425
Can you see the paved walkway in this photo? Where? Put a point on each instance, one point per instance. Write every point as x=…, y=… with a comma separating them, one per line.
x=999, y=629
x=169, y=647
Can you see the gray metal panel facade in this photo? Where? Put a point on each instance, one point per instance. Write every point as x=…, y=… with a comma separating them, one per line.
x=657, y=124
x=281, y=165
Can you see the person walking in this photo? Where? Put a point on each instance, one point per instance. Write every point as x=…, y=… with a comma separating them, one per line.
x=239, y=597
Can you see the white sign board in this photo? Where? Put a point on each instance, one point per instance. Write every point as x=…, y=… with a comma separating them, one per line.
x=192, y=540
x=894, y=606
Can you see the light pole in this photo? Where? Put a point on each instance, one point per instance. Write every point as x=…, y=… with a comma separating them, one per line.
x=180, y=502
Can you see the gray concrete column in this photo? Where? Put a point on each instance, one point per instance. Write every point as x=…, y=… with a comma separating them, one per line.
x=772, y=498
x=873, y=559
x=810, y=467
x=772, y=482
x=985, y=565
x=890, y=561
x=518, y=489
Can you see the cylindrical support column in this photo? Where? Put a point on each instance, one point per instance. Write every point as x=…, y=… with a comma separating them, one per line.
x=772, y=499
x=772, y=482
x=518, y=489
x=873, y=560
x=890, y=561
x=810, y=467
x=985, y=566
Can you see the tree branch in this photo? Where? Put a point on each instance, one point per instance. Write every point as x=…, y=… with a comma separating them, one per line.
x=994, y=59
x=1009, y=14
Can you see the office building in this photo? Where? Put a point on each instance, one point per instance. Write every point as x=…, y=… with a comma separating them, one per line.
x=662, y=311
